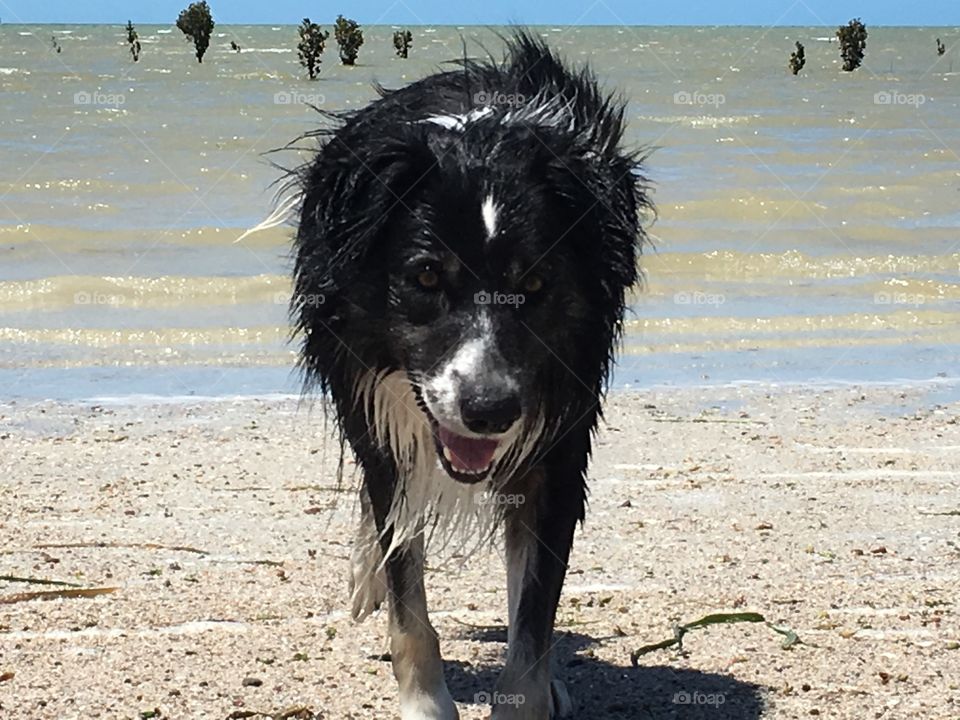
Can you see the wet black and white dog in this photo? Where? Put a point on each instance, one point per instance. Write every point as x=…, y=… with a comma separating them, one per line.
x=463, y=252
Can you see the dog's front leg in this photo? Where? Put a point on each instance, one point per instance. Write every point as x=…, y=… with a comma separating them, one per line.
x=538, y=533
x=414, y=646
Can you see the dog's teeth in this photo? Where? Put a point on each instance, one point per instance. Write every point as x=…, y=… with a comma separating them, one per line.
x=455, y=466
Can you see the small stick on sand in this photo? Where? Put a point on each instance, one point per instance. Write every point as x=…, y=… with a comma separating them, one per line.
x=790, y=637
x=36, y=581
x=137, y=546
x=56, y=594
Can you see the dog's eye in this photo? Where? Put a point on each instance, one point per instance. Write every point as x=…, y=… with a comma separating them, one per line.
x=532, y=284
x=429, y=279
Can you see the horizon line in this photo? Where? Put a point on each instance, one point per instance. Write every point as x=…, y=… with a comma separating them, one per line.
x=490, y=25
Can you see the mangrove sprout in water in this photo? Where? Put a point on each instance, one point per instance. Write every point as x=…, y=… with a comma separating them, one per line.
x=349, y=37
x=196, y=23
x=134, y=40
x=797, y=59
x=313, y=40
x=402, y=40
x=853, y=41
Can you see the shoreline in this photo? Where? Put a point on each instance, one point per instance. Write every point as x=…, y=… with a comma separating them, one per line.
x=941, y=389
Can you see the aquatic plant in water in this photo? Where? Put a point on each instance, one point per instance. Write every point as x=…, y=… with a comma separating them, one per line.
x=196, y=23
x=853, y=41
x=797, y=59
x=349, y=37
x=313, y=40
x=134, y=40
x=402, y=40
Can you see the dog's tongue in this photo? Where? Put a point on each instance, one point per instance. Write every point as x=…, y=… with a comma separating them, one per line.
x=471, y=454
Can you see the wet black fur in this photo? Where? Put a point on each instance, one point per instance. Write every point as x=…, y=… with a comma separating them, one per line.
x=386, y=193
x=381, y=171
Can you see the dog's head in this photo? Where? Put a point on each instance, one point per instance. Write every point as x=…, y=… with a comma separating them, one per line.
x=485, y=255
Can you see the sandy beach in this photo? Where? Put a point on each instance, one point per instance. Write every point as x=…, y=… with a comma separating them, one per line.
x=220, y=527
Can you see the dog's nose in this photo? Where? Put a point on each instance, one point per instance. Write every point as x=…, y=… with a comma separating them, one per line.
x=488, y=415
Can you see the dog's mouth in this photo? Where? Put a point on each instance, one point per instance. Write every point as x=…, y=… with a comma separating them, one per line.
x=466, y=459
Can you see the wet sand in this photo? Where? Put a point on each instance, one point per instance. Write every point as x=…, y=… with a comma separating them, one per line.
x=834, y=513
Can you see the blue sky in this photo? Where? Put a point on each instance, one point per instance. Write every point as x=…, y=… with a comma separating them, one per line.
x=497, y=12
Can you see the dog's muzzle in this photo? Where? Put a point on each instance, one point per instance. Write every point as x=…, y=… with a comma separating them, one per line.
x=488, y=419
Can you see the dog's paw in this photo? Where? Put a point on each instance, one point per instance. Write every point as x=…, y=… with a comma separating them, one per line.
x=554, y=705
x=560, y=704
x=439, y=706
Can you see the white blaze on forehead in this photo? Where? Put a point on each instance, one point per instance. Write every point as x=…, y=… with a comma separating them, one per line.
x=489, y=210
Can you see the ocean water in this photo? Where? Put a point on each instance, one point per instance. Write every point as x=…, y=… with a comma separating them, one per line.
x=808, y=227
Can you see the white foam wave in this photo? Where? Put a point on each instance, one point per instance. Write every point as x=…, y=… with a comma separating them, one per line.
x=135, y=399
x=698, y=120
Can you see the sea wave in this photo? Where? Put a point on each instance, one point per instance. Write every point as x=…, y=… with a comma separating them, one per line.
x=78, y=291
x=35, y=240
x=733, y=265
x=698, y=121
x=196, y=340
x=905, y=325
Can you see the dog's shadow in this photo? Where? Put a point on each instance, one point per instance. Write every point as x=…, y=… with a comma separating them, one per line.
x=602, y=691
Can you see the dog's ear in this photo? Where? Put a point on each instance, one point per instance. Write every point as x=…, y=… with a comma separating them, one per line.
x=351, y=191
x=602, y=193
x=601, y=196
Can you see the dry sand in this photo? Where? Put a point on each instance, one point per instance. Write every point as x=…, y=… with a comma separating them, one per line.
x=833, y=512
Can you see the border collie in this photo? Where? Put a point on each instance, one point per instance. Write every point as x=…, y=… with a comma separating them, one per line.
x=463, y=250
